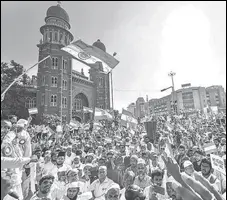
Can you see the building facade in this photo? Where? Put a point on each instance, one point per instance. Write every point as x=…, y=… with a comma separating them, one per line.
x=132, y=108
x=60, y=89
x=140, y=108
x=216, y=96
x=160, y=106
x=191, y=98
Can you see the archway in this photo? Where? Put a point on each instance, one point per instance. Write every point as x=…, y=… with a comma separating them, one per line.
x=80, y=100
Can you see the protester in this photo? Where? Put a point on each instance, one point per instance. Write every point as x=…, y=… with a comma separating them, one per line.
x=114, y=162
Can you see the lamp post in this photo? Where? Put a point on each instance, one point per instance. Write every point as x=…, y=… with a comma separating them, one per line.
x=172, y=74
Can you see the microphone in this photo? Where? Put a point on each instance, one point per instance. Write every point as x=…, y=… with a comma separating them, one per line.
x=14, y=195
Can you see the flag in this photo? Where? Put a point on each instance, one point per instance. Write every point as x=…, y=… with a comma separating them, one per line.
x=101, y=114
x=91, y=55
x=127, y=119
x=210, y=148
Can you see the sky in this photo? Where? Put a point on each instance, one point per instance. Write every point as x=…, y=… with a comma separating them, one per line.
x=151, y=39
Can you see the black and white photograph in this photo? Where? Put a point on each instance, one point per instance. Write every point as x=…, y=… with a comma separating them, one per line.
x=113, y=100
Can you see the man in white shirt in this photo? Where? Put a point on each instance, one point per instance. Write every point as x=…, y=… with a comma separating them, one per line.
x=100, y=186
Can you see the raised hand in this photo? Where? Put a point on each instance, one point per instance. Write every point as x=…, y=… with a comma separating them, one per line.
x=197, y=187
x=185, y=193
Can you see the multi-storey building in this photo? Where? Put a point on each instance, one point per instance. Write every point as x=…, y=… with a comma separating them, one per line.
x=140, y=108
x=132, y=108
x=216, y=96
x=60, y=89
x=191, y=98
x=160, y=106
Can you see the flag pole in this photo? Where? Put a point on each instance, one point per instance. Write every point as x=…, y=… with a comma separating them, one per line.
x=18, y=78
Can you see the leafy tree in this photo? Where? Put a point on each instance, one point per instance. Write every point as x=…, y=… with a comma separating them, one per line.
x=15, y=97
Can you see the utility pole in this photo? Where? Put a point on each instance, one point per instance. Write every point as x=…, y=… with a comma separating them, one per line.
x=172, y=74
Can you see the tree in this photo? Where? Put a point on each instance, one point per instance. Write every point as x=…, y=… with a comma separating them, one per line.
x=15, y=97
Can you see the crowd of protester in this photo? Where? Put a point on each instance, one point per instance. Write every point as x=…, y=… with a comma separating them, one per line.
x=111, y=162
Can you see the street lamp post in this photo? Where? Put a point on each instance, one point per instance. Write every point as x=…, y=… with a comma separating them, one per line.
x=172, y=74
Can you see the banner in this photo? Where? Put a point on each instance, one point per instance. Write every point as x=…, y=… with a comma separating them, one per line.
x=33, y=111
x=100, y=114
x=218, y=163
x=91, y=55
x=209, y=148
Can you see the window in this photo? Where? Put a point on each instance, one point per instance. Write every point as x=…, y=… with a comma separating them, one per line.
x=54, y=63
x=64, y=118
x=64, y=102
x=64, y=85
x=54, y=81
x=78, y=104
x=43, y=80
x=101, y=106
x=61, y=36
x=101, y=82
x=51, y=36
x=64, y=66
x=55, y=36
x=30, y=103
x=43, y=99
x=65, y=40
x=53, y=100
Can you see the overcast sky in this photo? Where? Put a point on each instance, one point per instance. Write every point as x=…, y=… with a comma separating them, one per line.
x=150, y=38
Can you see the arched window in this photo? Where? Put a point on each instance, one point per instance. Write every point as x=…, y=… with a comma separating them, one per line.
x=64, y=118
x=61, y=36
x=43, y=99
x=43, y=80
x=56, y=36
x=30, y=103
x=54, y=81
x=54, y=62
x=64, y=65
x=101, y=82
x=64, y=83
x=64, y=102
x=53, y=100
x=51, y=36
x=78, y=104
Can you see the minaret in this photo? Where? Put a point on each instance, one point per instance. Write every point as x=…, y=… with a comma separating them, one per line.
x=54, y=81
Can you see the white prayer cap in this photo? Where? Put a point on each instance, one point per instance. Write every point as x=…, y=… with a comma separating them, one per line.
x=187, y=163
x=73, y=185
x=141, y=161
x=22, y=123
x=114, y=186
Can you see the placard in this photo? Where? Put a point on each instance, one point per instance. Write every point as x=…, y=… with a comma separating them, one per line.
x=218, y=163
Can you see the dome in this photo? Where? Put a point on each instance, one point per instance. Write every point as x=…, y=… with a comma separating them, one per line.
x=99, y=45
x=59, y=12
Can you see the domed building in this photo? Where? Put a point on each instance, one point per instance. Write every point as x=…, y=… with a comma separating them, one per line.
x=60, y=89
